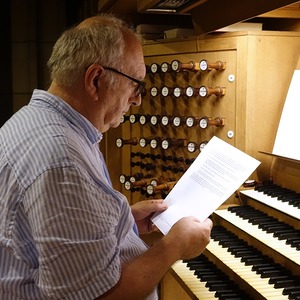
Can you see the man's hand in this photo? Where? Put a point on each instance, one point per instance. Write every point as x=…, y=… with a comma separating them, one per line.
x=190, y=236
x=142, y=212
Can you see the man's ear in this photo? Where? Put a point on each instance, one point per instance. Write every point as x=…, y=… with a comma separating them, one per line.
x=91, y=80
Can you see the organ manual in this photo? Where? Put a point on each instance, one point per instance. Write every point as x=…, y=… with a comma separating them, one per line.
x=218, y=171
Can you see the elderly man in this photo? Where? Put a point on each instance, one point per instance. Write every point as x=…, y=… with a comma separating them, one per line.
x=65, y=233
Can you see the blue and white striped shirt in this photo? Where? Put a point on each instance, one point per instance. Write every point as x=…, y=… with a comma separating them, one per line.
x=64, y=231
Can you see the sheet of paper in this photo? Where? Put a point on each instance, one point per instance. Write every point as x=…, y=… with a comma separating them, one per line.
x=218, y=171
x=287, y=142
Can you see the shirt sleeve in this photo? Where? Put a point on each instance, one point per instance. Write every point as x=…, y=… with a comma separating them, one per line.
x=73, y=223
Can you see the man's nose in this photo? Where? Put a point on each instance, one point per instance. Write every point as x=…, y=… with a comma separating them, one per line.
x=137, y=100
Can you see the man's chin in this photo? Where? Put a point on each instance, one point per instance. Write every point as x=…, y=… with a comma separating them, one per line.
x=115, y=125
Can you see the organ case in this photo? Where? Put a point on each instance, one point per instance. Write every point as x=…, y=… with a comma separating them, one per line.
x=259, y=68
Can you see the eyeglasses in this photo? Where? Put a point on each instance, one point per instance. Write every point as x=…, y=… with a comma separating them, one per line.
x=140, y=88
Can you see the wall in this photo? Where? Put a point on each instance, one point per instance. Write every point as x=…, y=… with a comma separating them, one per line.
x=30, y=29
x=5, y=70
x=35, y=25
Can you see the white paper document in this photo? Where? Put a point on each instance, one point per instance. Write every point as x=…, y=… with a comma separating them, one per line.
x=287, y=140
x=218, y=171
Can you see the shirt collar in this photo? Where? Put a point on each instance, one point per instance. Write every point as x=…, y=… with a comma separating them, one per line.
x=45, y=99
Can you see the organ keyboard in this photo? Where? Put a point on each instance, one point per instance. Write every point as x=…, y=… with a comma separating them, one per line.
x=254, y=249
x=289, y=251
x=282, y=205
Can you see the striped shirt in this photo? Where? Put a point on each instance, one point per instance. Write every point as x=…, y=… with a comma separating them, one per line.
x=64, y=231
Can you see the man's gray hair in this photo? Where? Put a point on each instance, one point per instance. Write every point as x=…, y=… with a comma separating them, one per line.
x=99, y=41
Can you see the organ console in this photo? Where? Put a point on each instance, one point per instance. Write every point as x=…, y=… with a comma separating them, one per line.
x=254, y=248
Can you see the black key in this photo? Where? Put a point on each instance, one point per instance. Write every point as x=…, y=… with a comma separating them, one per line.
x=290, y=289
x=286, y=197
x=284, y=283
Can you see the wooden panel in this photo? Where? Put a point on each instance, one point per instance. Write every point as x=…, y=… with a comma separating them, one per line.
x=291, y=11
x=169, y=47
x=174, y=288
x=224, y=13
x=286, y=173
